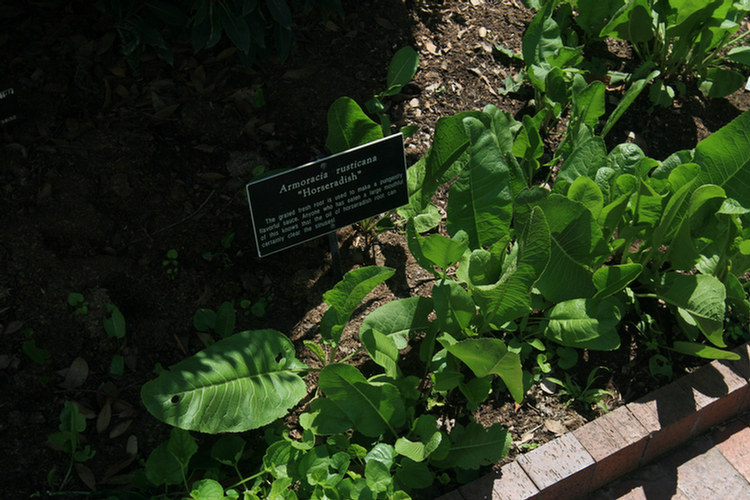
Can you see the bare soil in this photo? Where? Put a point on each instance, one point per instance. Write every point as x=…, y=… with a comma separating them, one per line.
x=109, y=169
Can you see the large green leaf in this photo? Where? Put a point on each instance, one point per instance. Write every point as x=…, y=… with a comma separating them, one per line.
x=443, y=251
x=510, y=297
x=611, y=279
x=401, y=70
x=382, y=350
x=585, y=160
x=424, y=177
x=627, y=99
x=632, y=22
x=372, y=408
x=349, y=126
x=399, y=318
x=542, y=37
x=473, y=446
x=239, y=383
x=481, y=202
x=704, y=351
x=454, y=306
x=576, y=241
x=724, y=157
x=490, y=356
x=344, y=298
x=584, y=323
x=700, y=295
x=425, y=429
x=586, y=192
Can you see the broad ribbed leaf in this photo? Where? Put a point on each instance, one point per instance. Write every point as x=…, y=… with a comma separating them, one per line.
x=402, y=69
x=349, y=126
x=510, y=297
x=382, y=350
x=428, y=436
x=442, y=251
x=372, y=408
x=724, y=157
x=584, y=323
x=399, y=318
x=585, y=159
x=344, y=298
x=700, y=295
x=473, y=446
x=611, y=279
x=239, y=383
x=490, y=356
x=586, y=192
x=280, y=12
x=704, y=351
x=481, y=202
x=454, y=307
x=576, y=241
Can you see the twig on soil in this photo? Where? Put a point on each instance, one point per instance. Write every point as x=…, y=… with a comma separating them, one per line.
x=148, y=236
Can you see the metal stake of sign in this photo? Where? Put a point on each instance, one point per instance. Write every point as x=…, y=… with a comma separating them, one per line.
x=338, y=271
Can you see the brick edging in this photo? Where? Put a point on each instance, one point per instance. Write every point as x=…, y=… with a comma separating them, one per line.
x=580, y=462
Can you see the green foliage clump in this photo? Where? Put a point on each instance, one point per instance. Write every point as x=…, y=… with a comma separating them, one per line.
x=253, y=26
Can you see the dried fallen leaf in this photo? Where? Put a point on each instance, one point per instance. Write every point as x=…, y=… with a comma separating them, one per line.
x=556, y=427
x=431, y=48
x=86, y=476
x=77, y=374
x=198, y=79
x=13, y=327
x=105, y=42
x=120, y=428
x=104, y=418
x=122, y=479
x=526, y=437
x=132, y=447
x=206, y=148
x=109, y=475
x=166, y=112
x=385, y=23
x=44, y=193
x=117, y=71
x=211, y=176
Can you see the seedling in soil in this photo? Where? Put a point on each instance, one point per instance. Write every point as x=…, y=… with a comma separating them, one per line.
x=226, y=242
x=220, y=322
x=76, y=300
x=258, y=309
x=31, y=350
x=171, y=263
x=115, y=327
x=71, y=424
x=588, y=394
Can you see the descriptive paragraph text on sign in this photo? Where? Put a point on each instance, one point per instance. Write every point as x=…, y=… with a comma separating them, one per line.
x=311, y=200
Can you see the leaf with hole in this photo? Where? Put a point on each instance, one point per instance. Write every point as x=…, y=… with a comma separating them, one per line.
x=239, y=383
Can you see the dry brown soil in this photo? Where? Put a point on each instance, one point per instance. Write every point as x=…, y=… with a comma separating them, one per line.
x=111, y=168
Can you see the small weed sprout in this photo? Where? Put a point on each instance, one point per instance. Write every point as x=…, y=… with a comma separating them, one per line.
x=226, y=242
x=71, y=424
x=170, y=263
x=115, y=327
x=76, y=300
x=29, y=348
x=585, y=394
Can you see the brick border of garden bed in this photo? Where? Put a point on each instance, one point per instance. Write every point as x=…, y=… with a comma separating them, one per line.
x=580, y=462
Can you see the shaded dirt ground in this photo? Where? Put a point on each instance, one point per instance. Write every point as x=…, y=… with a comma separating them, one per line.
x=109, y=169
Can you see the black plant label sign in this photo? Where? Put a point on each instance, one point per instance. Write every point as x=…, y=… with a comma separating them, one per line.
x=311, y=200
x=9, y=110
